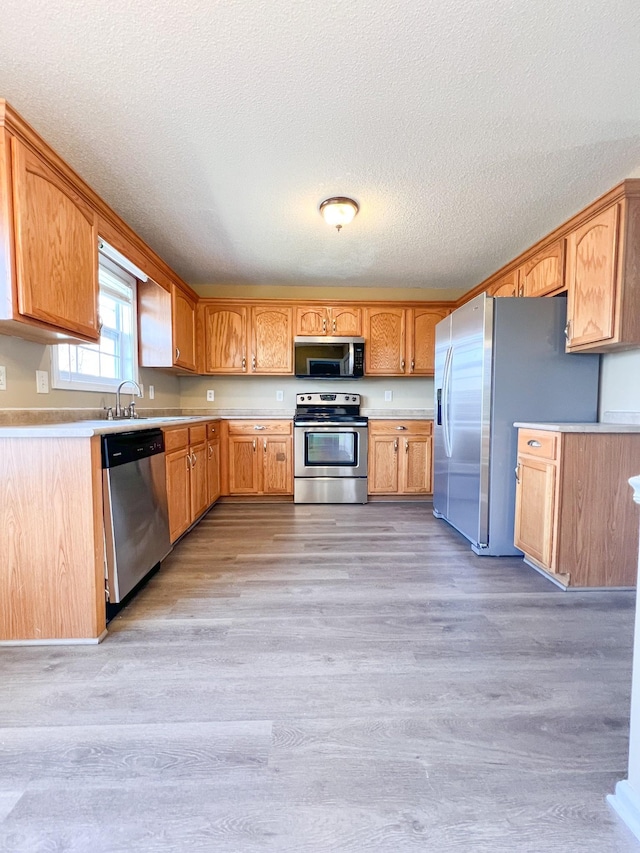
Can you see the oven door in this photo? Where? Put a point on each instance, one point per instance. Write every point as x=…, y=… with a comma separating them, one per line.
x=330, y=451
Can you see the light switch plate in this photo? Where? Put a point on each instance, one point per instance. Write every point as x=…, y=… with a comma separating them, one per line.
x=279, y=396
x=3, y=378
x=152, y=392
x=42, y=382
x=210, y=396
x=388, y=396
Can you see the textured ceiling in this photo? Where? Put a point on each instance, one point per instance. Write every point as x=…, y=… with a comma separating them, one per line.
x=466, y=129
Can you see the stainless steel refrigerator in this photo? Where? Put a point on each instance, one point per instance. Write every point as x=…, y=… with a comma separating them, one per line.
x=499, y=360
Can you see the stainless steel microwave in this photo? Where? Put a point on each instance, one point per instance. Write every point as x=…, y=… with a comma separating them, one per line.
x=328, y=358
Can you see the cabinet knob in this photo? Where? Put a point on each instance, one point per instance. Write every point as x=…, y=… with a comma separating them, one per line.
x=533, y=443
x=253, y=362
x=254, y=444
x=244, y=363
x=265, y=445
x=401, y=427
x=413, y=365
x=402, y=364
x=395, y=446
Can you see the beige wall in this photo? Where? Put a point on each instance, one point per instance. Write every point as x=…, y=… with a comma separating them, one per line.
x=249, y=392
x=21, y=360
x=620, y=382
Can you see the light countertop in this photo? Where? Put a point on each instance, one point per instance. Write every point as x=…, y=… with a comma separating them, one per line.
x=581, y=427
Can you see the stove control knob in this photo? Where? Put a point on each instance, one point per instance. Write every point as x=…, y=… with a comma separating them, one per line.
x=309, y=397
x=354, y=399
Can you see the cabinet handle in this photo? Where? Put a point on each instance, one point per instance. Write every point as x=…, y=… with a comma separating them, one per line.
x=401, y=427
x=253, y=362
x=334, y=327
x=533, y=443
x=100, y=324
x=406, y=446
x=254, y=444
x=259, y=426
x=265, y=445
x=210, y=451
x=244, y=363
x=188, y=461
x=517, y=472
x=413, y=365
x=194, y=459
x=177, y=353
x=324, y=325
x=402, y=364
x=521, y=290
x=395, y=446
x=567, y=330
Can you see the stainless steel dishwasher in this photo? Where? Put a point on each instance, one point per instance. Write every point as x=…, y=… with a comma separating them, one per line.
x=136, y=521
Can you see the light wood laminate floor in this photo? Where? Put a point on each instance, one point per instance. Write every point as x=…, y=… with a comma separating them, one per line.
x=324, y=678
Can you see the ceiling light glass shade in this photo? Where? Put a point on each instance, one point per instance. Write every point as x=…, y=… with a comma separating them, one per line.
x=338, y=211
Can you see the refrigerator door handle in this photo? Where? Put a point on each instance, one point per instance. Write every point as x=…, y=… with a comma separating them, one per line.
x=446, y=402
x=439, y=407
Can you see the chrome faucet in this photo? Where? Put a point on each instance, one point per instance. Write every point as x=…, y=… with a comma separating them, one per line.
x=128, y=411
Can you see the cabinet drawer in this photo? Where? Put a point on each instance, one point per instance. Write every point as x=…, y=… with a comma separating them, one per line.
x=408, y=427
x=197, y=434
x=249, y=427
x=543, y=445
x=213, y=429
x=175, y=439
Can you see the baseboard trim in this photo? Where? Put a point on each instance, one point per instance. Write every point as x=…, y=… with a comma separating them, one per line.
x=74, y=641
x=626, y=803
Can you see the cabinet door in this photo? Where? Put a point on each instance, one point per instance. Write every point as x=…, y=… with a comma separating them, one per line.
x=277, y=465
x=56, y=247
x=225, y=343
x=177, y=466
x=592, y=279
x=345, y=320
x=213, y=471
x=385, y=341
x=183, y=310
x=421, y=337
x=243, y=465
x=199, y=491
x=312, y=320
x=506, y=285
x=383, y=464
x=416, y=465
x=272, y=339
x=544, y=273
x=535, y=505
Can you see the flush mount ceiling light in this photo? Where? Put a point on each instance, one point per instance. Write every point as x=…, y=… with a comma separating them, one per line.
x=338, y=211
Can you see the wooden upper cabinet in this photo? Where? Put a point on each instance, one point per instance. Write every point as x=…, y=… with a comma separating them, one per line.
x=224, y=329
x=543, y=274
x=421, y=339
x=316, y=320
x=183, y=310
x=592, y=279
x=271, y=339
x=506, y=285
x=56, y=247
x=385, y=349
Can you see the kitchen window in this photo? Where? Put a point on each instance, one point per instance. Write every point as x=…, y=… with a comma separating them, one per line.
x=103, y=366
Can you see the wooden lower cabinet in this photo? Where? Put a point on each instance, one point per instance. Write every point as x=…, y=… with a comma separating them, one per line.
x=213, y=463
x=573, y=517
x=260, y=457
x=400, y=457
x=190, y=466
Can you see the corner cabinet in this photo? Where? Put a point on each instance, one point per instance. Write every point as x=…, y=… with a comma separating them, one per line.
x=260, y=457
x=167, y=327
x=573, y=518
x=400, y=457
x=48, y=249
x=401, y=341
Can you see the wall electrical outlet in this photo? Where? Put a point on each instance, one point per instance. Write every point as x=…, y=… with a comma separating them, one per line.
x=279, y=396
x=388, y=396
x=42, y=382
x=210, y=396
x=152, y=392
x=3, y=378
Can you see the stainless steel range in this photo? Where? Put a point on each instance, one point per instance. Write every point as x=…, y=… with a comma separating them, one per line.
x=330, y=449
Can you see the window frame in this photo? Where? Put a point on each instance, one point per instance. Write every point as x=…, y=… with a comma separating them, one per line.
x=104, y=384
